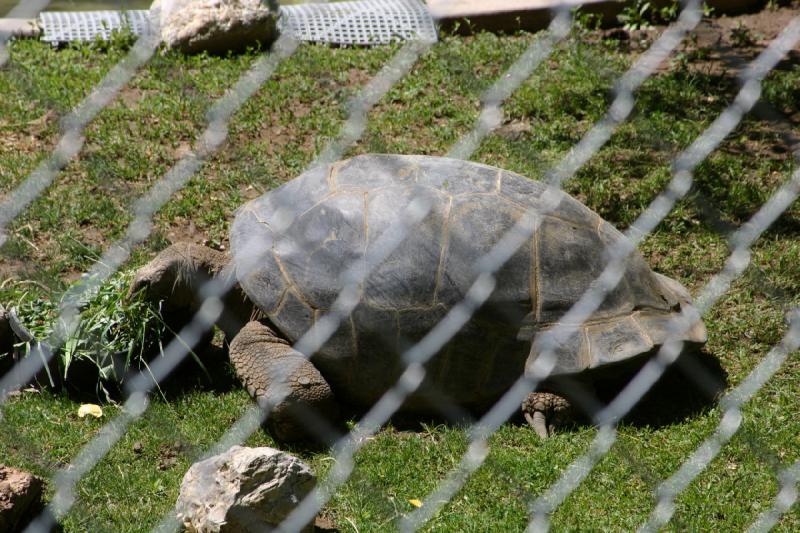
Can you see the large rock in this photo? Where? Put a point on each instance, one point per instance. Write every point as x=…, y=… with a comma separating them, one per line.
x=214, y=25
x=20, y=498
x=242, y=490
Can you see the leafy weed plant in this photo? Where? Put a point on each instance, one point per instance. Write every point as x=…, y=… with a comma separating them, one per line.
x=114, y=334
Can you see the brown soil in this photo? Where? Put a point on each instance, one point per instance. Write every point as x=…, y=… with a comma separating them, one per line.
x=728, y=44
x=20, y=498
x=722, y=47
x=170, y=454
x=183, y=230
x=733, y=41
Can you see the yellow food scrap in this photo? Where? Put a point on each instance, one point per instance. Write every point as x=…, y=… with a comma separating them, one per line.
x=415, y=502
x=90, y=409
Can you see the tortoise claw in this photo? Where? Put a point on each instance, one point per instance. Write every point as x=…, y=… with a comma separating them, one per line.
x=538, y=423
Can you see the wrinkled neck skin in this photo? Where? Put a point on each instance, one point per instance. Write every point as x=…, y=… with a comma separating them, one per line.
x=238, y=309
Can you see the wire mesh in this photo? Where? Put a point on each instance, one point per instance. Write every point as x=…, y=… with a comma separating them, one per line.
x=69, y=26
x=786, y=498
x=487, y=266
x=368, y=22
x=211, y=310
x=658, y=209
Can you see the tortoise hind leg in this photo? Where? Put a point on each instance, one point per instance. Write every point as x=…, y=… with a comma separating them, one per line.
x=281, y=379
x=544, y=410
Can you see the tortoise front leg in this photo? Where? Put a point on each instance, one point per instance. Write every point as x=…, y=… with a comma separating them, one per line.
x=279, y=377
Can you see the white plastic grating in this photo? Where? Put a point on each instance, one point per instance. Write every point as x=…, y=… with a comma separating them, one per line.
x=362, y=22
x=63, y=26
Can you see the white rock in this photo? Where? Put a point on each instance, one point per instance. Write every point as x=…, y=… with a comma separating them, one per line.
x=242, y=490
x=214, y=25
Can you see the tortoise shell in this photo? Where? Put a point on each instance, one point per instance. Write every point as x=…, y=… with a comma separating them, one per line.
x=293, y=246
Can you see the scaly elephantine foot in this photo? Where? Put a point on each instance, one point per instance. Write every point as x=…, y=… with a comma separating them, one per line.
x=283, y=380
x=544, y=411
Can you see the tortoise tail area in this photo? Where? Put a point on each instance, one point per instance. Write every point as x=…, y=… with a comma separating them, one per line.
x=619, y=339
x=680, y=300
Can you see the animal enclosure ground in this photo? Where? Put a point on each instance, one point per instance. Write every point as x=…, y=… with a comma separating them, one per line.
x=156, y=119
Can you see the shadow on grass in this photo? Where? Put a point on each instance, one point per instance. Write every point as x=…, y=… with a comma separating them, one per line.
x=687, y=388
x=207, y=370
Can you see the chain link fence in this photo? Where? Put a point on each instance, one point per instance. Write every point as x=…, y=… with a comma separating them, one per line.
x=415, y=210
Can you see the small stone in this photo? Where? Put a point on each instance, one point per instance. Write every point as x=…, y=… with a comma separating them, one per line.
x=215, y=26
x=20, y=498
x=325, y=524
x=138, y=447
x=514, y=130
x=243, y=490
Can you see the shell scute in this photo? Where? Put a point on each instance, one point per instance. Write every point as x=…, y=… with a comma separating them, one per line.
x=568, y=264
x=476, y=223
x=293, y=314
x=454, y=176
x=292, y=267
x=321, y=244
x=281, y=206
x=616, y=340
x=407, y=276
x=256, y=266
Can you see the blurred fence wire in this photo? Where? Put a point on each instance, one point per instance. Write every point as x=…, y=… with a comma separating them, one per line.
x=140, y=227
x=415, y=210
x=25, y=9
x=787, y=496
x=72, y=125
x=41, y=178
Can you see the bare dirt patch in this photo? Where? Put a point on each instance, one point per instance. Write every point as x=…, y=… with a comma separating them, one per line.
x=725, y=45
x=183, y=230
x=722, y=47
x=356, y=76
x=719, y=45
x=27, y=136
x=169, y=454
x=12, y=270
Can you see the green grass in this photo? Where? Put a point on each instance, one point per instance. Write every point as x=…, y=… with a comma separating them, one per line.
x=275, y=135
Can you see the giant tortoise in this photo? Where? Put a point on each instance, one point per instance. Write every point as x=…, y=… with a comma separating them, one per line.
x=291, y=247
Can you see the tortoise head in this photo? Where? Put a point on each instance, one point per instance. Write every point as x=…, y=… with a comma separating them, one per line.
x=177, y=274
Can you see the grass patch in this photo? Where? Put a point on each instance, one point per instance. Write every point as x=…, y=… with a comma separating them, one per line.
x=273, y=137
